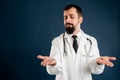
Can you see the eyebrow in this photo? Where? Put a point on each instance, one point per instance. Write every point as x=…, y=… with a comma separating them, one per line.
x=70, y=15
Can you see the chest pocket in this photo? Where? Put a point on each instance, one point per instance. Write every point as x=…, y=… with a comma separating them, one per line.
x=87, y=50
x=86, y=57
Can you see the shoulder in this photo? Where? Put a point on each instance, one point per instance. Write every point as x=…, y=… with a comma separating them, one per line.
x=92, y=38
x=58, y=38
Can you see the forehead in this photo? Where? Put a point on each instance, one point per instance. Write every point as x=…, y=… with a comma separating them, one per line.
x=70, y=11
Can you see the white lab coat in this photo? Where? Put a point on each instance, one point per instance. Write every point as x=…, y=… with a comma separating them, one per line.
x=72, y=66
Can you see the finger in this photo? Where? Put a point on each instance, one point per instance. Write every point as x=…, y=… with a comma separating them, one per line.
x=109, y=64
x=41, y=57
x=112, y=58
x=50, y=62
x=46, y=61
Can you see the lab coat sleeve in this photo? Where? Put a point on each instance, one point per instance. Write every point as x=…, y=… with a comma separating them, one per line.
x=94, y=67
x=55, y=53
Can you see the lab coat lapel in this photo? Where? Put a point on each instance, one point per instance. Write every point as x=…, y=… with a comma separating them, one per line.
x=82, y=42
x=69, y=43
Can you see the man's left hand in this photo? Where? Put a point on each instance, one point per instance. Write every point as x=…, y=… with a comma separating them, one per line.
x=105, y=60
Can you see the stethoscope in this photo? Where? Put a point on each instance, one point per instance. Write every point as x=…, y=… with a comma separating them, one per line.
x=85, y=46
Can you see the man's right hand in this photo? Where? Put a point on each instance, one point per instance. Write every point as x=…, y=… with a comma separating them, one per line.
x=47, y=60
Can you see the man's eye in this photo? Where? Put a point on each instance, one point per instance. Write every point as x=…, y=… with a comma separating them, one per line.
x=65, y=17
x=71, y=17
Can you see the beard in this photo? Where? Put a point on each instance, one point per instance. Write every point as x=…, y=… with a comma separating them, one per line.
x=69, y=29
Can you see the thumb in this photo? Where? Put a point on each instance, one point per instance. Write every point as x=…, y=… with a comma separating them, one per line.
x=41, y=57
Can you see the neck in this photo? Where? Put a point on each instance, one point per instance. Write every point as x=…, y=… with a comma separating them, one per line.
x=76, y=30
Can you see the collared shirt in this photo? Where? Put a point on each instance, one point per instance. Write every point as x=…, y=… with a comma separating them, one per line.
x=78, y=37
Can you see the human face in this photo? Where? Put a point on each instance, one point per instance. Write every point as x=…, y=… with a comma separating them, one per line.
x=71, y=20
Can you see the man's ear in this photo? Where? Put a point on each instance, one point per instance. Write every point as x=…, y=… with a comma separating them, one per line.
x=80, y=19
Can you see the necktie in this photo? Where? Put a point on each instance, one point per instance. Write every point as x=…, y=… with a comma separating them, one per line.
x=75, y=45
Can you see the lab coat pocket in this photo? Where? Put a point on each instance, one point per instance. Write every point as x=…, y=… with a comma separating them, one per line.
x=86, y=54
x=86, y=57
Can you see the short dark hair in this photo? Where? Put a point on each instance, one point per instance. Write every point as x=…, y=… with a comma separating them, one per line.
x=79, y=10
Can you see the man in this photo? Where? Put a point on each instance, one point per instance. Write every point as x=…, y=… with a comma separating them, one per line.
x=74, y=55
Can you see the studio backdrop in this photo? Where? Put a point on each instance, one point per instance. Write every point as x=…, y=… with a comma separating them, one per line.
x=27, y=28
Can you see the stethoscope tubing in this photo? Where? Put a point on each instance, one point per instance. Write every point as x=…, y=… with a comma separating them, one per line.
x=64, y=45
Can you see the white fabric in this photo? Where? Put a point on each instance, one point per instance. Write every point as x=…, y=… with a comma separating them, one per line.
x=72, y=66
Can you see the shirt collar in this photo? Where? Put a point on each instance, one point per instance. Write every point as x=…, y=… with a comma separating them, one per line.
x=79, y=34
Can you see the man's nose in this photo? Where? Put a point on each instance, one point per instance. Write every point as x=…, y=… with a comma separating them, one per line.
x=68, y=20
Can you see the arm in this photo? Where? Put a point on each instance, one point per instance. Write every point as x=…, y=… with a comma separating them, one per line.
x=98, y=63
x=94, y=67
x=52, y=62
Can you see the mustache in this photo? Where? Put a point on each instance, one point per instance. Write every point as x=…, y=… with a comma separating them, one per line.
x=69, y=24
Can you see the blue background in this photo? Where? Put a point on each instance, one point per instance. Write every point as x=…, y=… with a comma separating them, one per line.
x=27, y=28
